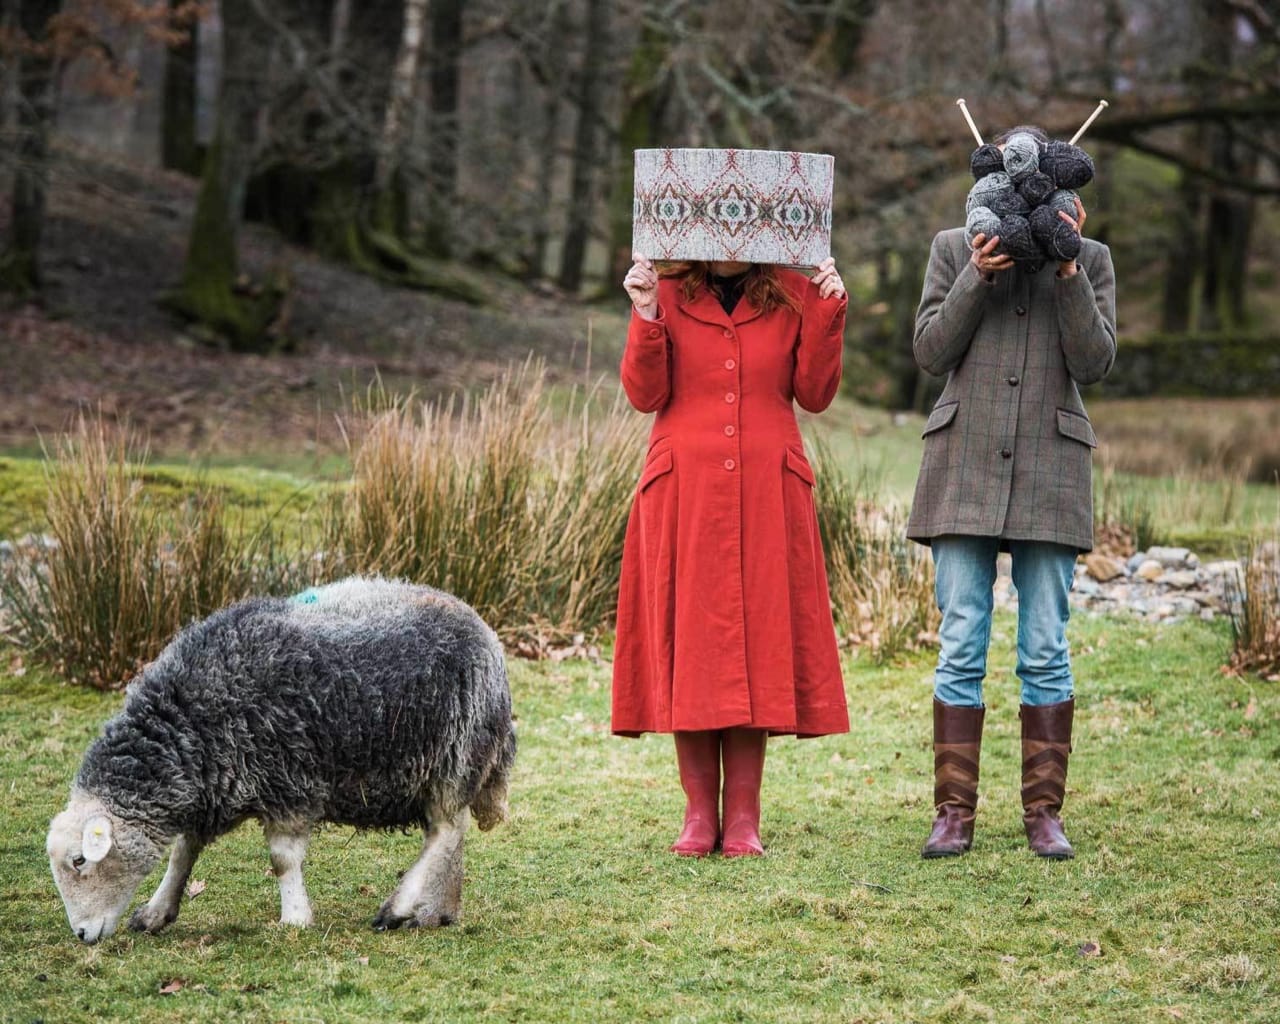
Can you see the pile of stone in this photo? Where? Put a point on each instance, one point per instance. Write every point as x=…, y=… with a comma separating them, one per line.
x=1161, y=584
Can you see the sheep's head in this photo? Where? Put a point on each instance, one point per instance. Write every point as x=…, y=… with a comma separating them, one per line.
x=98, y=862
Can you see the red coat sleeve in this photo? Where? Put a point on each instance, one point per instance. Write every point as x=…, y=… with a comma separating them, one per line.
x=820, y=350
x=646, y=362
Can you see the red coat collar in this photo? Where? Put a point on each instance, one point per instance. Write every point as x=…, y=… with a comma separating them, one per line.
x=706, y=307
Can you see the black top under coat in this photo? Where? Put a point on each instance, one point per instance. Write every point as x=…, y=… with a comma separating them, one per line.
x=727, y=289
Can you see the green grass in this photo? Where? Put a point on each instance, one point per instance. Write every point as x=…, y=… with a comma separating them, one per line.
x=575, y=912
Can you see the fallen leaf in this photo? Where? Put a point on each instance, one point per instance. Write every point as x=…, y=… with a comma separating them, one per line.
x=363, y=961
x=171, y=987
x=1251, y=711
x=1007, y=959
x=1090, y=949
x=195, y=887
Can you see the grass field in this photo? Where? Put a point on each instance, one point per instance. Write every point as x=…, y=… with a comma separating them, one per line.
x=575, y=912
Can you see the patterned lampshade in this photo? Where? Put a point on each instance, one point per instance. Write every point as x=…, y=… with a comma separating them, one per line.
x=758, y=206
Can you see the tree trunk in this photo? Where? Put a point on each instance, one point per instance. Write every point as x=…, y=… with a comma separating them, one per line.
x=180, y=151
x=403, y=76
x=645, y=101
x=553, y=84
x=586, y=158
x=37, y=103
x=442, y=164
x=1182, y=262
x=211, y=291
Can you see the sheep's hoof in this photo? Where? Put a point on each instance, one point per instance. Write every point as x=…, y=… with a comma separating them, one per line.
x=387, y=920
x=146, y=920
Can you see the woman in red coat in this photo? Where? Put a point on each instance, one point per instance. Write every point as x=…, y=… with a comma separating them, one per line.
x=724, y=618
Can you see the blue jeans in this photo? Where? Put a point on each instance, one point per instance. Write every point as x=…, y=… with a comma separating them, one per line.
x=966, y=573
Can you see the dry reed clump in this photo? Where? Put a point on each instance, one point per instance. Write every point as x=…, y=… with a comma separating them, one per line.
x=881, y=582
x=121, y=575
x=1255, y=611
x=519, y=513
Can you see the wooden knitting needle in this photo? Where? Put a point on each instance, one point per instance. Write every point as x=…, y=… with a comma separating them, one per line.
x=1102, y=105
x=964, y=109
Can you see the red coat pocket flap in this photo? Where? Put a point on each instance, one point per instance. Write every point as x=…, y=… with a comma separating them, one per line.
x=799, y=465
x=1077, y=427
x=941, y=416
x=658, y=464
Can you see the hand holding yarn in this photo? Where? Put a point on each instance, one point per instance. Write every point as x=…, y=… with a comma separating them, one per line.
x=985, y=259
x=641, y=284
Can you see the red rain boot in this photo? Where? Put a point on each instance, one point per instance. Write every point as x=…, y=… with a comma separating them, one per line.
x=743, y=751
x=698, y=757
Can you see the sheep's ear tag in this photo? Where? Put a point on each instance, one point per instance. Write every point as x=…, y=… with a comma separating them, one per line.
x=96, y=841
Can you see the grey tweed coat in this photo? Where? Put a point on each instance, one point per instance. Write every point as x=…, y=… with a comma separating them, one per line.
x=1008, y=446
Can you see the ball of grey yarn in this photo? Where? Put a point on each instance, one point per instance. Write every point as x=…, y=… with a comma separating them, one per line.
x=1035, y=188
x=1016, y=239
x=1063, y=199
x=1057, y=239
x=987, y=189
x=986, y=159
x=1004, y=204
x=1069, y=166
x=981, y=221
x=1021, y=155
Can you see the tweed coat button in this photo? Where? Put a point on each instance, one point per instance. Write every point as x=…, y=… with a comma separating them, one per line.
x=730, y=398
x=729, y=431
x=1013, y=382
x=729, y=364
x=728, y=463
x=1021, y=311
x=1005, y=453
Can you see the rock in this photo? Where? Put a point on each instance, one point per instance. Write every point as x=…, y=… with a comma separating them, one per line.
x=1205, y=599
x=1227, y=567
x=1170, y=558
x=1207, y=614
x=1135, y=560
x=1185, y=606
x=1103, y=568
x=1086, y=587
x=6, y=550
x=1150, y=570
x=1183, y=579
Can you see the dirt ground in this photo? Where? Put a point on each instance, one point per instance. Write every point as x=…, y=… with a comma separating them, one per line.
x=101, y=339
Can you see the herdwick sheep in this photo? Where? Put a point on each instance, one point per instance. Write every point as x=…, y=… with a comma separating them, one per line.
x=368, y=702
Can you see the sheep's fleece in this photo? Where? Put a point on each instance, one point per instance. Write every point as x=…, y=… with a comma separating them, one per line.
x=368, y=702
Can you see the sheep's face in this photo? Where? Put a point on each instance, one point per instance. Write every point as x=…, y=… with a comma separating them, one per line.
x=98, y=863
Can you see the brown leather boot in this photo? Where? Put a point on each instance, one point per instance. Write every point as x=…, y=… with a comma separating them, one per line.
x=957, y=740
x=698, y=758
x=1046, y=744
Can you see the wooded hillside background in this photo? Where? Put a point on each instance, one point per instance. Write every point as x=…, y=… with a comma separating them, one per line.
x=438, y=143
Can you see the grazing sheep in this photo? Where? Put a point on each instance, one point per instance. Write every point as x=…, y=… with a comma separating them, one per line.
x=368, y=702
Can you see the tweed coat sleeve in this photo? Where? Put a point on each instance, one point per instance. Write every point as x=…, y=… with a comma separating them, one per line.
x=818, y=354
x=950, y=309
x=1087, y=318
x=646, y=362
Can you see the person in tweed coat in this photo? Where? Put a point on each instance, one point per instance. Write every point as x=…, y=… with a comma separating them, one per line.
x=1007, y=466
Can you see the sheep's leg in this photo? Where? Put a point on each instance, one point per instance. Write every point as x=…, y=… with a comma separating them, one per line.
x=430, y=893
x=162, y=908
x=288, y=845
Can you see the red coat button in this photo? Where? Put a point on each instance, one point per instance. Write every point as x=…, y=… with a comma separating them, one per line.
x=729, y=431
x=729, y=364
x=728, y=334
x=730, y=397
x=728, y=463
x=655, y=332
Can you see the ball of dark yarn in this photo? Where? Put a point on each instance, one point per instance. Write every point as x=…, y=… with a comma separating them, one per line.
x=1063, y=199
x=981, y=221
x=1035, y=188
x=1016, y=239
x=986, y=159
x=988, y=189
x=1069, y=166
x=1021, y=155
x=1057, y=239
x=1004, y=204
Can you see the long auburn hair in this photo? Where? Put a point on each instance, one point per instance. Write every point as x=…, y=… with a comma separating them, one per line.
x=762, y=286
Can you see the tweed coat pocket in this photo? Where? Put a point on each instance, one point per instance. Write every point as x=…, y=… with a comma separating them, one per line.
x=1077, y=427
x=941, y=416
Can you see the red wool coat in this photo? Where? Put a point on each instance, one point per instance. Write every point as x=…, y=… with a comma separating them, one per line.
x=724, y=616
